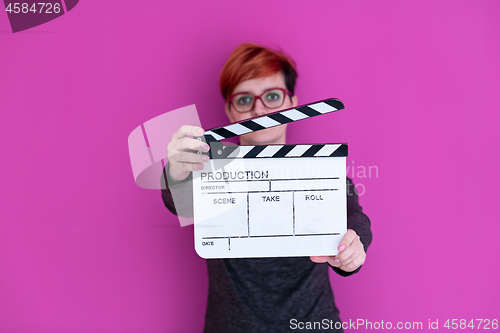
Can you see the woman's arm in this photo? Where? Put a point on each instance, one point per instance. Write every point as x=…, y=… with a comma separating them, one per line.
x=177, y=176
x=177, y=195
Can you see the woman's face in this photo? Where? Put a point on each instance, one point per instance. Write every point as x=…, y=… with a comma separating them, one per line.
x=274, y=135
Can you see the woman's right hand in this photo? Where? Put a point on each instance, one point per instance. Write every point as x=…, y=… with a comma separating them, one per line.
x=182, y=160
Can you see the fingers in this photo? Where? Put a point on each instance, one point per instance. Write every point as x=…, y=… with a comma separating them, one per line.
x=182, y=159
x=186, y=130
x=319, y=259
x=190, y=157
x=180, y=140
x=351, y=252
x=332, y=260
x=184, y=162
x=349, y=237
x=190, y=143
x=354, y=263
x=191, y=162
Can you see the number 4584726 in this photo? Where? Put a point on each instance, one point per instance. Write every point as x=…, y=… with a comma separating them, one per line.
x=41, y=7
x=462, y=324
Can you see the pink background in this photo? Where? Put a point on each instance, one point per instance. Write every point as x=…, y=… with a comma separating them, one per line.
x=84, y=249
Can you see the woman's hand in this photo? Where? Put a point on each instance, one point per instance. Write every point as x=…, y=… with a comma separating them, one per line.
x=351, y=253
x=182, y=160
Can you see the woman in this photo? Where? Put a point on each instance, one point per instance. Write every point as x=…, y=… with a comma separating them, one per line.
x=265, y=294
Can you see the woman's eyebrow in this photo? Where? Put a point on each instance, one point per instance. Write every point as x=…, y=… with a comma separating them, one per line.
x=271, y=88
x=249, y=92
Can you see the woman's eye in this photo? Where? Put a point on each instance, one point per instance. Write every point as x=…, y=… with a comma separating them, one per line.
x=272, y=96
x=244, y=100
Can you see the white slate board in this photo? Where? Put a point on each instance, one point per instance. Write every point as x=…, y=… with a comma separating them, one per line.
x=270, y=207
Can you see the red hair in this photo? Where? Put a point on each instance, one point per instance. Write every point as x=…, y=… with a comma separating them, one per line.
x=250, y=61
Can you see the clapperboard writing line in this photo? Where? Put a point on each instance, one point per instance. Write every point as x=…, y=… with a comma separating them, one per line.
x=266, y=236
x=293, y=207
x=248, y=213
x=261, y=236
x=265, y=180
x=270, y=181
x=267, y=191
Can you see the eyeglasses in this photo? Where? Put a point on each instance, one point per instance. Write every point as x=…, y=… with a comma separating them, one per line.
x=272, y=99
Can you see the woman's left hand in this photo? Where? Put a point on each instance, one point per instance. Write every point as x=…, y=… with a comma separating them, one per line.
x=351, y=253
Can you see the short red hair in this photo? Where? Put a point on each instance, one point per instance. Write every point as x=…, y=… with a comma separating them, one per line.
x=250, y=61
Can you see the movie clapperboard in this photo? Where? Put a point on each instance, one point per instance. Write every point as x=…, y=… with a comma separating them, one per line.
x=270, y=200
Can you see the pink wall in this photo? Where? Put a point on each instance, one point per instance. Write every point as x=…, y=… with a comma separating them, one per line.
x=83, y=249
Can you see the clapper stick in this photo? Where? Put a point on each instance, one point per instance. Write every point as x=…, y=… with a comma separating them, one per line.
x=213, y=136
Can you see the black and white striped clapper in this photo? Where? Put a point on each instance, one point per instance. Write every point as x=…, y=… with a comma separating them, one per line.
x=213, y=136
x=284, y=151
